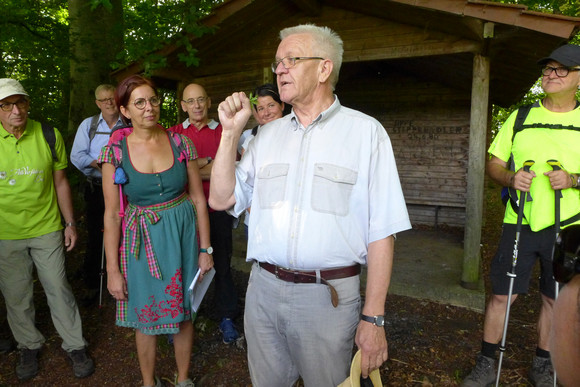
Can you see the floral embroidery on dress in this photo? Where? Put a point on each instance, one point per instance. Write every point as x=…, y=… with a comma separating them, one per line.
x=174, y=306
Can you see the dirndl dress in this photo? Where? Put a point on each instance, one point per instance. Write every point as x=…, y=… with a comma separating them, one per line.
x=159, y=250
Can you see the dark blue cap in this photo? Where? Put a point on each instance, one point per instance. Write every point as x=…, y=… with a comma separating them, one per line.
x=568, y=55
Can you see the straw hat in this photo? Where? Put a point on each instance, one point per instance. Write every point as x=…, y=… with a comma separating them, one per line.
x=354, y=379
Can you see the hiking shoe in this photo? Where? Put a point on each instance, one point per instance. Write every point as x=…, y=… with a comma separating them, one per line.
x=540, y=375
x=483, y=374
x=83, y=365
x=27, y=368
x=185, y=383
x=228, y=330
x=6, y=345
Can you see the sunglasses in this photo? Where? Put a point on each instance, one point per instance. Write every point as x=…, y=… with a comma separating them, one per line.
x=566, y=263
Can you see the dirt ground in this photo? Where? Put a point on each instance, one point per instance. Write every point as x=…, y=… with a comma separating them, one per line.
x=430, y=344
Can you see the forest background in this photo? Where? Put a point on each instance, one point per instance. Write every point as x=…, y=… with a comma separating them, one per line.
x=60, y=50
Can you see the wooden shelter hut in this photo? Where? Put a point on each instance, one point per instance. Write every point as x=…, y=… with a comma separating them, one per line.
x=429, y=70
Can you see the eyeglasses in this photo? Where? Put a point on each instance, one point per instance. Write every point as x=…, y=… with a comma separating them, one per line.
x=20, y=104
x=107, y=100
x=141, y=103
x=191, y=101
x=290, y=61
x=566, y=262
x=560, y=71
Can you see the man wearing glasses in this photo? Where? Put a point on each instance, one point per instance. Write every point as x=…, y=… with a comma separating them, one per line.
x=34, y=194
x=206, y=134
x=92, y=134
x=326, y=199
x=551, y=131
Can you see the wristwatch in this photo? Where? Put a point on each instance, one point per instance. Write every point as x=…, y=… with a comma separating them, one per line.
x=209, y=250
x=376, y=320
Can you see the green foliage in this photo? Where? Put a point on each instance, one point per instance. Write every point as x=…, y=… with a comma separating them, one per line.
x=557, y=7
x=253, y=99
x=151, y=25
x=35, y=51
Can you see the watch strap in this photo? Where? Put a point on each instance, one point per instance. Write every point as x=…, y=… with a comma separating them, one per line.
x=375, y=320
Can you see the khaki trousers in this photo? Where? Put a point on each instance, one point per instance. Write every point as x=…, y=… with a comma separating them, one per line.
x=46, y=253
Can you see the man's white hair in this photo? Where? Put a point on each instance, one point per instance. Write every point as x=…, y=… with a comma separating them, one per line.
x=326, y=43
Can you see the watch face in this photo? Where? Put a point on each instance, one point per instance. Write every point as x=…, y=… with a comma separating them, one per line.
x=210, y=250
x=380, y=321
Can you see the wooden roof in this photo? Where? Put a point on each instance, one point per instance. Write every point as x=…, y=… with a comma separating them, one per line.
x=430, y=39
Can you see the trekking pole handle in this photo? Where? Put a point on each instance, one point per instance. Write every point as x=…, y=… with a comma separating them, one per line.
x=555, y=164
x=528, y=164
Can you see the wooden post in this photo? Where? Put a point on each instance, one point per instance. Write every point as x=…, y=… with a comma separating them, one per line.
x=476, y=172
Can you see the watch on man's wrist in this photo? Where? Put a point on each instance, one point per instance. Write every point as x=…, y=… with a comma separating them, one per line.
x=376, y=320
x=209, y=250
x=577, y=177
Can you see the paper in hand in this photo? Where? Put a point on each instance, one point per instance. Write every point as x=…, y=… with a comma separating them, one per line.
x=198, y=288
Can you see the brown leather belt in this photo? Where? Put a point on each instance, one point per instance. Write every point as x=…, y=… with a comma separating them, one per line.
x=310, y=277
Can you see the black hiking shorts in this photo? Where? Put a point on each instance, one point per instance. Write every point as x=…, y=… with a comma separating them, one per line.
x=532, y=246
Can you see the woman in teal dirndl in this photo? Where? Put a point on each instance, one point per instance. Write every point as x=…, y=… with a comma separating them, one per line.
x=155, y=213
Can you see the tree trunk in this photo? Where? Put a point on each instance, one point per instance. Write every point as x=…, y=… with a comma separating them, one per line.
x=96, y=37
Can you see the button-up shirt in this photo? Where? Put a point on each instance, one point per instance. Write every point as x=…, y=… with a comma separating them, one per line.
x=319, y=194
x=84, y=151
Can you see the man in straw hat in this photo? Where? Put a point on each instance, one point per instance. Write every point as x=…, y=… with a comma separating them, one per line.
x=34, y=193
x=326, y=199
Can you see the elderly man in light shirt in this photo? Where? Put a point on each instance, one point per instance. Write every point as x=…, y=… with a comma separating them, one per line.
x=326, y=199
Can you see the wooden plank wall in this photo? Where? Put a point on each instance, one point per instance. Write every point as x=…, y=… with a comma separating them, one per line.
x=428, y=125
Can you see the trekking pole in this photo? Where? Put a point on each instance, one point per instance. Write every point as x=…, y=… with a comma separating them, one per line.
x=512, y=275
x=102, y=274
x=556, y=166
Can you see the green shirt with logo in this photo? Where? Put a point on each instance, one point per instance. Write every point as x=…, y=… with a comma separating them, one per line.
x=28, y=201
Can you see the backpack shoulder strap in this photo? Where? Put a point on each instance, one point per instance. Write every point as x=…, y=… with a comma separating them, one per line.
x=115, y=143
x=93, y=127
x=50, y=137
x=177, y=141
x=521, y=116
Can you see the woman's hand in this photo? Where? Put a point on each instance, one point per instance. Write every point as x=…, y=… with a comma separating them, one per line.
x=205, y=263
x=117, y=286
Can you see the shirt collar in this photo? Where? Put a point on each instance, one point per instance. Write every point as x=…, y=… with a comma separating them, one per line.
x=118, y=124
x=4, y=133
x=212, y=124
x=323, y=116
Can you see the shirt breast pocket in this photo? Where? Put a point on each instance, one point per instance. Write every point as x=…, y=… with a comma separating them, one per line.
x=272, y=185
x=331, y=188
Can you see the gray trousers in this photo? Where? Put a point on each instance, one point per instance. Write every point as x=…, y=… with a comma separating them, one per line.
x=46, y=253
x=292, y=330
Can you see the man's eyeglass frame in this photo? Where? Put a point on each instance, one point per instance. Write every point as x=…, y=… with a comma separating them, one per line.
x=22, y=103
x=561, y=72
x=290, y=61
x=200, y=101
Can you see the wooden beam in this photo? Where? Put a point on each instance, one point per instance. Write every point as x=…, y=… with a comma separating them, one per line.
x=476, y=172
x=411, y=51
x=511, y=14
